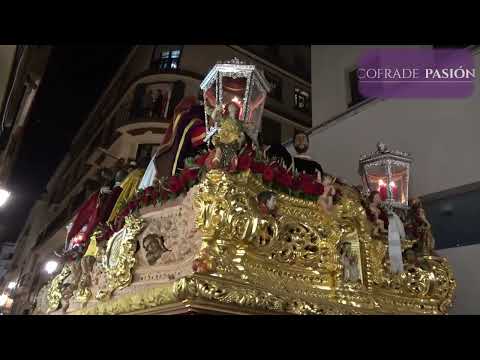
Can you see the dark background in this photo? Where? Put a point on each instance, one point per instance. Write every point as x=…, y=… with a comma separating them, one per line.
x=74, y=80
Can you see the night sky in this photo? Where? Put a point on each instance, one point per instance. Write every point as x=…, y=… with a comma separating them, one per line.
x=74, y=80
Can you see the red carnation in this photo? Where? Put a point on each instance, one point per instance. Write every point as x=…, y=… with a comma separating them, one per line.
x=301, y=181
x=268, y=174
x=258, y=167
x=284, y=178
x=176, y=184
x=189, y=175
x=244, y=162
x=200, y=160
x=132, y=205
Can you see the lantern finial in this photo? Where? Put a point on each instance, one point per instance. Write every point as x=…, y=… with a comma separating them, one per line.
x=381, y=147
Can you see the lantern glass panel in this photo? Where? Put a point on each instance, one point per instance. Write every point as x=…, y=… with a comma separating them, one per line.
x=255, y=107
x=400, y=182
x=377, y=178
x=234, y=93
x=210, y=100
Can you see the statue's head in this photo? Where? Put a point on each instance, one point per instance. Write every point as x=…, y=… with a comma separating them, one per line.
x=268, y=198
x=152, y=245
x=301, y=142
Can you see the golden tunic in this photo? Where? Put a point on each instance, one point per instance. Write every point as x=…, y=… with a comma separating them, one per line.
x=129, y=190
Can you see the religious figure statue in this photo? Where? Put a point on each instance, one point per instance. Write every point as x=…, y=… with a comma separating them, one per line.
x=228, y=139
x=267, y=203
x=376, y=215
x=183, y=139
x=303, y=163
x=326, y=199
x=349, y=260
x=423, y=229
x=154, y=246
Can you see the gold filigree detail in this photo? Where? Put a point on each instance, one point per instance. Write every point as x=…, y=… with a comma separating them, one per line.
x=147, y=299
x=119, y=258
x=54, y=295
x=295, y=255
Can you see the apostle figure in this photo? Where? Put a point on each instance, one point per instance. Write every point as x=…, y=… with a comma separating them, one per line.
x=302, y=162
x=92, y=213
x=184, y=138
x=349, y=261
x=129, y=188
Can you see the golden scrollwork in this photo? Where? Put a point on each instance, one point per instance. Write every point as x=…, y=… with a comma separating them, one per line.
x=129, y=303
x=119, y=258
x=54, y=294
x=295, y=255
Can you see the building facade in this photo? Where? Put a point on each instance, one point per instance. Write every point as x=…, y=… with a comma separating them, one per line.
x=130, y=120
x=442, y=136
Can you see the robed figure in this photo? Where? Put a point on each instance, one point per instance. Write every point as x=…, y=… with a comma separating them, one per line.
x=184, y=138
x=302, y=162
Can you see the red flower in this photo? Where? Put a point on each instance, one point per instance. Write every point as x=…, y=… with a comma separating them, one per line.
x=244, y=162
x=200, y=160
x=132, y=205
x=301, y=181
x=258, y=167
x=189, y=175
x=176, y=184
x=284, y=178
x=268, y=174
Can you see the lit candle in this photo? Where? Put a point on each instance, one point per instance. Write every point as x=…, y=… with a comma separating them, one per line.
x=394, y=189
x=382, y=189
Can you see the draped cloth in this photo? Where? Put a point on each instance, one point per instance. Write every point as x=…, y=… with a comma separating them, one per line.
x=180, y=141
x=129, y=190
x=94, y=211
x=149, y=176
x=85, y=221
x=304, y=164
x=396, y=233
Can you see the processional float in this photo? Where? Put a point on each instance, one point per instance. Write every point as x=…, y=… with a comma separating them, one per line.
x=233, y=233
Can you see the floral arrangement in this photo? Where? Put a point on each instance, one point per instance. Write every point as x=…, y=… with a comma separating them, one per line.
x=273, y=174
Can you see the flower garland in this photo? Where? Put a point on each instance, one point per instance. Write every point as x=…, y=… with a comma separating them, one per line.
x=273, y=174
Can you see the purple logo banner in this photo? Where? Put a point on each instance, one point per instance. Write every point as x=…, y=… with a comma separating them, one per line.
x=416, y=73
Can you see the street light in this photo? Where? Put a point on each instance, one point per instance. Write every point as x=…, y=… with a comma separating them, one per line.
x=11, y=285
x=4, y=195
x=51, y=266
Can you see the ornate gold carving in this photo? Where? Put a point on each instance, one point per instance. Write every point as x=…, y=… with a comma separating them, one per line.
x=119, y=258
x=149, y=298
x=54, y=296
x=295, y=255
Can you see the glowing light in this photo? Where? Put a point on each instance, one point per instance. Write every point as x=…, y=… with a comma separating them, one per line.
x=381, y=182
x=4, y=195
x=392, y=184
x=51, y=266
x=11, y=285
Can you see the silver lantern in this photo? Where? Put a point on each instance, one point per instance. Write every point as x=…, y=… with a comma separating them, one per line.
x=238, y=83
x=387, y=171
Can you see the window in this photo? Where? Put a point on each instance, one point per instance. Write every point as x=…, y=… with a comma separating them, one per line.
x=276, y=86
x=166, y=58
x=355, y=95
x=302, y=100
